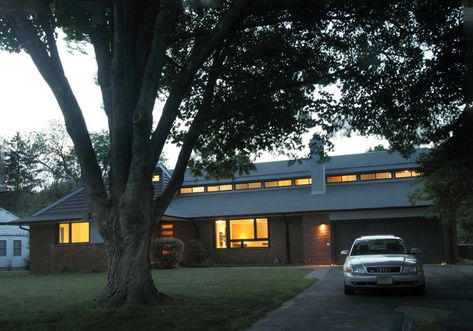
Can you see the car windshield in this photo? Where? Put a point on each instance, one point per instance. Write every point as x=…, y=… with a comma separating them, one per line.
x=379, y=246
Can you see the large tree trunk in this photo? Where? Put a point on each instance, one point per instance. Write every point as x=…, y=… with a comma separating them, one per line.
x=129, y=281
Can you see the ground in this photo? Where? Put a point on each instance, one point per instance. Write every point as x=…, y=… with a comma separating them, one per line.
x=197, y=299
x=447, y=305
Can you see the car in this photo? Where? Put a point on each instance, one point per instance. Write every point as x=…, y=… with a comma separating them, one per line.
x=382, y=261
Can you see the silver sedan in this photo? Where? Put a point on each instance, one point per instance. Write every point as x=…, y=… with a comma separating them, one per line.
x=382, y=261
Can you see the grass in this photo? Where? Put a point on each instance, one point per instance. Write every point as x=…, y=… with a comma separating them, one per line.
x=198, y=299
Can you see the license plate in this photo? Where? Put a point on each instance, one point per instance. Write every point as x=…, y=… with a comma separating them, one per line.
x=384, y=280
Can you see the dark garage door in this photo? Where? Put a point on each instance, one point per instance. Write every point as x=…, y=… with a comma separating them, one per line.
x=423, y=234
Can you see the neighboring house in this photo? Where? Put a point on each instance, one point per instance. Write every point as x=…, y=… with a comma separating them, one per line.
x=14, y=243
x=303, y=213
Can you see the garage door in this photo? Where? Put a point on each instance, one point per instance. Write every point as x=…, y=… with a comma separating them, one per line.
x=419, y=233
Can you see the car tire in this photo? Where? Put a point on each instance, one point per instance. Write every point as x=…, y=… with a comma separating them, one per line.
x=349, y=290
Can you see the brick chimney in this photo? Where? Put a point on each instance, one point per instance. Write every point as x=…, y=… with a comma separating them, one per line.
x=317, y=169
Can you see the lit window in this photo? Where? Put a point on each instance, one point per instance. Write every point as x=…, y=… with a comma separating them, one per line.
x=156, y=178
x=248, y=186
x=73, y=232
x=16, y=247
x=341, y=179
x=376, y=176
x=3, y=248
x=167, y=230
x=221, y=234
x=407, y=173
x=192, y=189
x=244, y=233
x=217, y=188
x=278, y=183
x=303, y=181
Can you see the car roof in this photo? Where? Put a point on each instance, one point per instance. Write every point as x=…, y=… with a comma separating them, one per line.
x=378, y=236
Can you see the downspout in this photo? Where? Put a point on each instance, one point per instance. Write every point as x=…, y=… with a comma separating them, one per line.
x=288, y=247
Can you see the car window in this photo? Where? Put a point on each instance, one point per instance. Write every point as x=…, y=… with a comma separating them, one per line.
x=379, y=246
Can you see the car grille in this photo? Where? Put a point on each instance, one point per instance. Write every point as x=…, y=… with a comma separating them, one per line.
x=383, y=270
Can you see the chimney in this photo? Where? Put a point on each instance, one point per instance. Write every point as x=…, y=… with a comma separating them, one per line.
x=317, y=168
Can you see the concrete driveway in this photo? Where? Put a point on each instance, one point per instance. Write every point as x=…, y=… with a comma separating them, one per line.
x=447, y=305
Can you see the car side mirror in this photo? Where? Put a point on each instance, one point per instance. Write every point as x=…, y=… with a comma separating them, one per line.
x=344, y=252
x=414, y=251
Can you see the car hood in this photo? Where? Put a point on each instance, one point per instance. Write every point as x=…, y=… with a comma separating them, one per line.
x=382, y=259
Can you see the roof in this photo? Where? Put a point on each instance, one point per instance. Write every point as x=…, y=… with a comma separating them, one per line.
x=6, y=216
x=340, y=196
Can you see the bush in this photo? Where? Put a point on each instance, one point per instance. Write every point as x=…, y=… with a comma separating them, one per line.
x=198, y=255
x=167, y=252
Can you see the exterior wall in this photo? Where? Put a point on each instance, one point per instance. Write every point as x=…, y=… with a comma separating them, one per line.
x=316, y=239
x=10, y=261
x=183, y=230
x=46, y=256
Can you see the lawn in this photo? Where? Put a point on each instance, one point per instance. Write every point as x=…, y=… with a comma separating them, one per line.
x=197, y=299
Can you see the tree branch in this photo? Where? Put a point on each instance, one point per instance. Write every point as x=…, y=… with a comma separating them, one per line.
x=182, y=83
x=46, y=58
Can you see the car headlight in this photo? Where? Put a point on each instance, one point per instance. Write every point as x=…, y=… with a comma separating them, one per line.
x=412, y=268
x=355, y=269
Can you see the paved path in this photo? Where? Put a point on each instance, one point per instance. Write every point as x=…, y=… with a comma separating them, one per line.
x=448, y=305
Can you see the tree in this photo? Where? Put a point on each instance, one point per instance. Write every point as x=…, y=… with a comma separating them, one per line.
x=377, y=148
x=235, y=79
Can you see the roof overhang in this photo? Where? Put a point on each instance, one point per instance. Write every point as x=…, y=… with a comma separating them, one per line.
x=50, y=218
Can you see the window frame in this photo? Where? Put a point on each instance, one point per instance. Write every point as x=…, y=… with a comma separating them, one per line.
x=228, y=240
x=3, y=248
x=16, y=249
x=69, y=223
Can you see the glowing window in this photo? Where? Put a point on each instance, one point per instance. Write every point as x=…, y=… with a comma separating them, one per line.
x=167, y=230
x=303, y=181
x=262, y=227
x=341, y=178
x=192, y=189
x=406, y=173
x=74, y=233
x=198, y=189
x=156, y=178
x=221, y=234
x=186, y=190
x=242, y=229
x=376, y=176
x=248, y=186
x=278, y=183
x=217, y=188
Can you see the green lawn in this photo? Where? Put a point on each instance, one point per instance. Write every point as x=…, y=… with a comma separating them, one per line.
x=198, y=299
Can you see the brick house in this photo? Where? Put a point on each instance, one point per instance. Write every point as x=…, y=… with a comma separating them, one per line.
x=300, y=213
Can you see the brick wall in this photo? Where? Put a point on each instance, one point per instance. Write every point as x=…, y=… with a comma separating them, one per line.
x=316, y=239
x=78, y=257
x=41, y=237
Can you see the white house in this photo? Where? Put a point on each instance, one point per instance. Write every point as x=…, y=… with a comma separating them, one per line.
x=14, y=243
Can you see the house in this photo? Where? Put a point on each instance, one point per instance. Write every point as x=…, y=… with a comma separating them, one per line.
x=14, y=243
x=300, y=213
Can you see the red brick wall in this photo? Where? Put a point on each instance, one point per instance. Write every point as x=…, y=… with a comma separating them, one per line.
x=79, y=257
x=316, y=239
x=41, y=237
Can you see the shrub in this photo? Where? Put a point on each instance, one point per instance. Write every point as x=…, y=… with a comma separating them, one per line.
x=198, y=255
x=167, y=252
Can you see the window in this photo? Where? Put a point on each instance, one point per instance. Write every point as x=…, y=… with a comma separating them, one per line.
x=303, y=181
x=73, y=232
x=192, y=189
x=244, y=233
x=376, y=176
x=406, y=173
x=3, y=248
x=217, y=188
x=156, y=178
x=278, y=183
x=248, y=186
x=167, y=230
x=16, y=247
x=341, y=179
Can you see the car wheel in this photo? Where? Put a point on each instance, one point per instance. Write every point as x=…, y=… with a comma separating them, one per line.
x=349, y=290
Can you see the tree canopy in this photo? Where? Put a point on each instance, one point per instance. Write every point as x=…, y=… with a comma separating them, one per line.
x=234, y=78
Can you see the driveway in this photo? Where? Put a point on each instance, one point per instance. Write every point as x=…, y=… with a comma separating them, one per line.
x=447, y=305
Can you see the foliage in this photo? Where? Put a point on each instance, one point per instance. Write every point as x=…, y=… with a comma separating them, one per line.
x=167, y=252
x=377, y=148
x=447, y=178
x=198, y=255
x=61, y=301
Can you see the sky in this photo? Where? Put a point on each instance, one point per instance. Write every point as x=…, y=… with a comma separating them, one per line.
x=27, y=103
